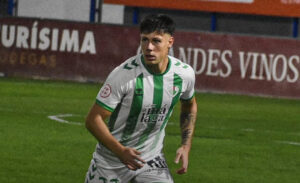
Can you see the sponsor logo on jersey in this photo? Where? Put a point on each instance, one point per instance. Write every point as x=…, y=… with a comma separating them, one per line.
x=153, y=114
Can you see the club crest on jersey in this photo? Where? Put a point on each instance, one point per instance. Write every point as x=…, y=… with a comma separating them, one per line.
x=175, y=90
x=105, y=91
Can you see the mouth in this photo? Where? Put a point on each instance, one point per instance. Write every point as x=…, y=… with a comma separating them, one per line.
x=150, y=57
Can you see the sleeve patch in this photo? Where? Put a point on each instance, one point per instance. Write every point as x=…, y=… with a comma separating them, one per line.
x=105, y=91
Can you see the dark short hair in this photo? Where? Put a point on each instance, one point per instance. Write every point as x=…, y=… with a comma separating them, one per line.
x=157, y=22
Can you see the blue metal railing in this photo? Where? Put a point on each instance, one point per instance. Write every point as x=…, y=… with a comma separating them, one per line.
x=10, y=7
x=92, y=10
x=135, y=17
x=295, y=27
x=213, y=25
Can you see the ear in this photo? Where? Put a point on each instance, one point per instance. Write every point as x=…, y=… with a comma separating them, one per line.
x=171, y=41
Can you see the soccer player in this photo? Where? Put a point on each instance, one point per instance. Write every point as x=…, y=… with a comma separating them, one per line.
x=138, y=98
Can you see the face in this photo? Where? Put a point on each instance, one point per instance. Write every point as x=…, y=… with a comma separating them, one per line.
x=155, y=47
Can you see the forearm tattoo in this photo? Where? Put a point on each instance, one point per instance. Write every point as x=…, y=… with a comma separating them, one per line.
x=187, y=123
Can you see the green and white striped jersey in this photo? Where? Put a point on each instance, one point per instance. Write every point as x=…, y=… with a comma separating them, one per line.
x=141, y=103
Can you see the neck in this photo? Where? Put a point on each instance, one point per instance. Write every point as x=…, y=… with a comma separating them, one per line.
x=159, y=68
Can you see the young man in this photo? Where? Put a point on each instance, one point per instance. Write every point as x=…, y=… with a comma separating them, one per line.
x=138, y=97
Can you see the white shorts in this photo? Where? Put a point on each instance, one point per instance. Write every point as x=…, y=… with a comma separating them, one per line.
x=154, y=171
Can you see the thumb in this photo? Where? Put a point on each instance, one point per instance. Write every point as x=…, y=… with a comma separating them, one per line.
x=177, y=158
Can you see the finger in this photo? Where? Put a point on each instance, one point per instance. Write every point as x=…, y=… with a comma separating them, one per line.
x=140, y=159
x=185, y=162
x=137, y=165
x=181, y=171
x=137, y=152
x=133, y=165
x=130, y=167
x=177, y=158
x=184, y=166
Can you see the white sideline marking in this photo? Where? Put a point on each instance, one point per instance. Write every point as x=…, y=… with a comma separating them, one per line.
x=59, y=119
x=289, y=142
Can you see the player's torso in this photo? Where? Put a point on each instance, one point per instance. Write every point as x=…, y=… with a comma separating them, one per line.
x=147, y=104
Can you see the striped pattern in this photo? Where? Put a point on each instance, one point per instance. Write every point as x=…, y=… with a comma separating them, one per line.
x=142, y=103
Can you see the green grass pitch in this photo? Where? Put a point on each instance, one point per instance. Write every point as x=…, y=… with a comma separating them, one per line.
x=238, y=139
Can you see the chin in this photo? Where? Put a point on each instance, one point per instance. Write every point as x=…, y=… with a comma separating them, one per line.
x=151, y=62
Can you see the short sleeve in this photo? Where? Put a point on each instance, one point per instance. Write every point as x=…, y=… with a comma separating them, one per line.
x=189, y=91
x=111, y=92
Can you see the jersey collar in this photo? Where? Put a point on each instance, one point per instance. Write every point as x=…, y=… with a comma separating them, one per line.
x=157, y=74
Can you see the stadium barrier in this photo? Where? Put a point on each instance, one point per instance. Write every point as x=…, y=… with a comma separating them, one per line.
x=88, y=52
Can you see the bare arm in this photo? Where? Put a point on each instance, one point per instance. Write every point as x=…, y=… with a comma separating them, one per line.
x=98, y=128
x=187, y=124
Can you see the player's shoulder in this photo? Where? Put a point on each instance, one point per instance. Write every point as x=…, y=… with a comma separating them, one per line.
x=131, y=64
x=126, y=70
x=181, y=68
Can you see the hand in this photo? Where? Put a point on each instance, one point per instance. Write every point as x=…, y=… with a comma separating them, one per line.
x=130, y=157
x=183, y=155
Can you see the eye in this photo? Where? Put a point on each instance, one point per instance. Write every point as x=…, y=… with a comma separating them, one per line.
x=156, y=41
x=144, y=39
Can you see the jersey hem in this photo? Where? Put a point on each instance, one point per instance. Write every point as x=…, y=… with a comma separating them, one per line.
x=188, y=99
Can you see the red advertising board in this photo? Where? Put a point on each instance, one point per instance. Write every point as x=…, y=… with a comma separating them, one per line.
x=64, y=50
x=88, y=52
x=290, y=8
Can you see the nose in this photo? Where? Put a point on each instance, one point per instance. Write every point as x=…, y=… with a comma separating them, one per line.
x=149, y=46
